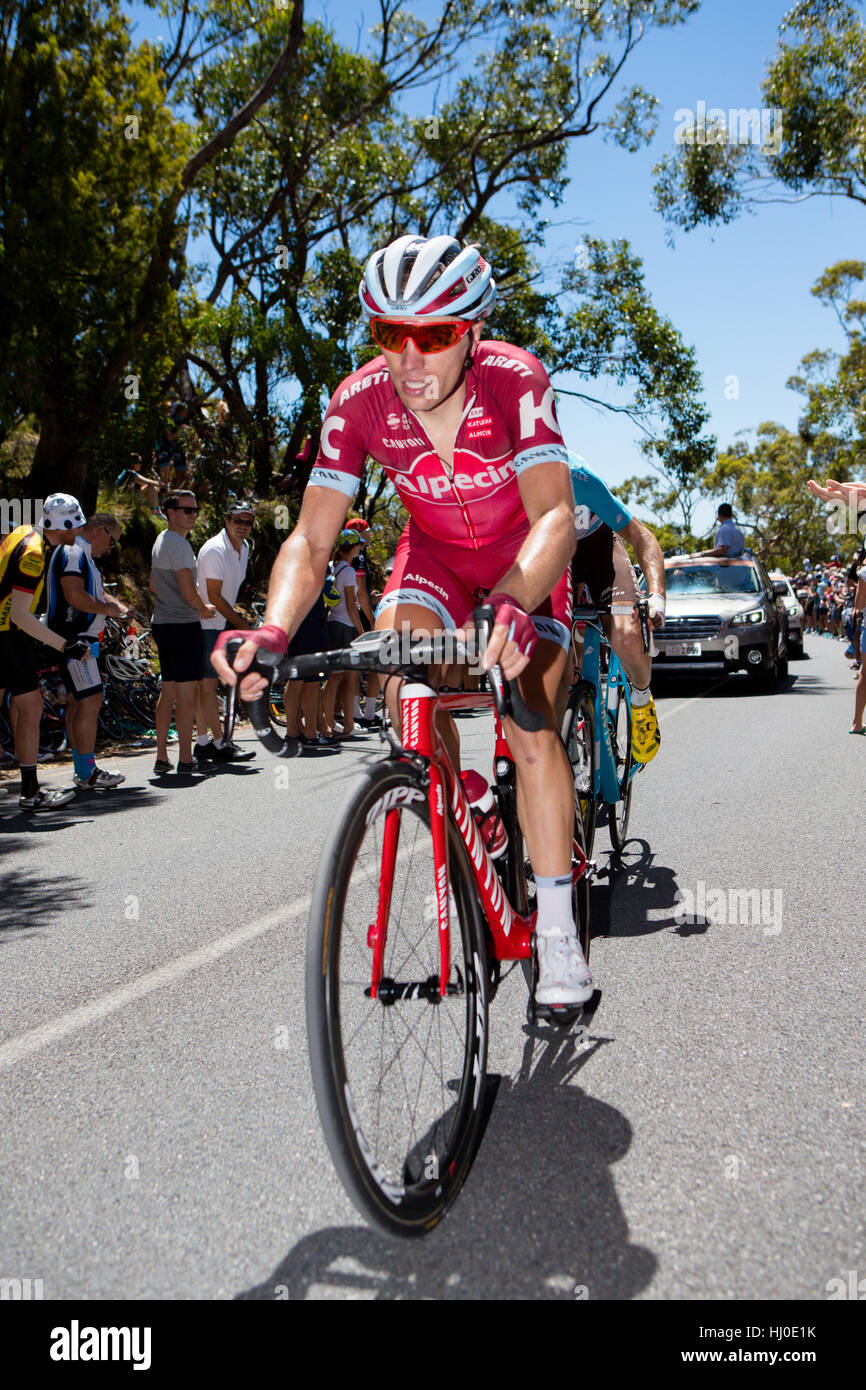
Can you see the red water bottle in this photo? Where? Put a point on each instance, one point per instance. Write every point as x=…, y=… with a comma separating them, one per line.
x=480, y=797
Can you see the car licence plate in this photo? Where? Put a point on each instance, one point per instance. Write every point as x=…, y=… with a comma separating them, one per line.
x=683, y=649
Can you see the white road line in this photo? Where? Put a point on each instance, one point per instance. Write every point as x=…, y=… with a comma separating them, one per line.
x=37, y=1038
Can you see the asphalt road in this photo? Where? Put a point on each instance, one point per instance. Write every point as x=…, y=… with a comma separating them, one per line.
x=706, y=1140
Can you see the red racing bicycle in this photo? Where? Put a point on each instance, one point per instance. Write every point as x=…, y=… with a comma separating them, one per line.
x=410, y=923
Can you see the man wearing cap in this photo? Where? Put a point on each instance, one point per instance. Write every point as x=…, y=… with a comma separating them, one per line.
x=221, y=570
x=24, y=554
x=76, y=607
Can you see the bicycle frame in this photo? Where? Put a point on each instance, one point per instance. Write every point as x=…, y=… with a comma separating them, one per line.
x=605, y=684
x=511, y=932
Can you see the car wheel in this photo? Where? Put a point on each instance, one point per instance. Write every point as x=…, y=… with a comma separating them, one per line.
x=795, y=650
x=767, y=677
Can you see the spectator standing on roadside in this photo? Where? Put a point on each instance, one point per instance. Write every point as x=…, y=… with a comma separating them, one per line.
x=344, y=624
x=362, y=579
x=221, y=570
x=169, y=452
x=176, y=629
x=860, y=687
x=729, y=540
x=76, y=607
x=24, y=555
x=302, y=700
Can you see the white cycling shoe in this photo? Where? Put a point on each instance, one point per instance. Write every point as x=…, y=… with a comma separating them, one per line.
x=563, y=974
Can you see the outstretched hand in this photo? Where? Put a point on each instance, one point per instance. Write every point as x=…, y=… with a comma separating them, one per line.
x=833, y=491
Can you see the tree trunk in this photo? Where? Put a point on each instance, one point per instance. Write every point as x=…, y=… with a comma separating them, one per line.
x=59, y=461
x=262, y=443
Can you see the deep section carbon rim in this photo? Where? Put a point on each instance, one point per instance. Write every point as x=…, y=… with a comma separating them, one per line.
x=398, y=1079
x=618, y=814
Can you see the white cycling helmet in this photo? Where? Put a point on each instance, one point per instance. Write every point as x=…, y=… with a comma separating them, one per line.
x=416, y=276
x=61, y=512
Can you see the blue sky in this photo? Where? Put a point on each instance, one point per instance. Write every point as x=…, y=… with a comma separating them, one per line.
x=740, y=294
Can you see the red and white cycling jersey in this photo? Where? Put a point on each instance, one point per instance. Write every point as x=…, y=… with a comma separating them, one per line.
x=508, y=425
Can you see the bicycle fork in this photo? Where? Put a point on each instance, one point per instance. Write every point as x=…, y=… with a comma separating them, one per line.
x=510, y=931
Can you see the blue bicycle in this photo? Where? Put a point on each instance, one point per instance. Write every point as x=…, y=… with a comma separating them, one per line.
x=596, y=726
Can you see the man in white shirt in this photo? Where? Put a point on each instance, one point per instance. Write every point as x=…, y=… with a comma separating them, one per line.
x=220, y=572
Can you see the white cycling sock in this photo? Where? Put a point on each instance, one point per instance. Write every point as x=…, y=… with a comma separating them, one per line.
x=555, y=916
x=639, y=697
x=202, y=740
x=370, y=707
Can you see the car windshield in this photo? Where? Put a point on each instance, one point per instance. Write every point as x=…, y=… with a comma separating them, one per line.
x=712, y=579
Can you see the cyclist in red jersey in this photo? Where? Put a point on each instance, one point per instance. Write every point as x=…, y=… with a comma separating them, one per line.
x=466, y=430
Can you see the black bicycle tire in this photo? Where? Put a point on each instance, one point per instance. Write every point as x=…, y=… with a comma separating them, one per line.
x=619, y=813
x=109, y=725
x=122, y=709
x=583, y=694
x=137, y=705
x=416, y=1213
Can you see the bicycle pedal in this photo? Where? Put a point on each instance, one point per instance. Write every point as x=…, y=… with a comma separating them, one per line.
x=562, y=1015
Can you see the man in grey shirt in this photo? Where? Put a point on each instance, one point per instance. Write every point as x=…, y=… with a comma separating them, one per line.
x=730, y=540
x=176, y=628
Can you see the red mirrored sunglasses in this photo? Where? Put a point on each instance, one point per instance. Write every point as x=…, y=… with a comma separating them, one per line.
x=435, y=336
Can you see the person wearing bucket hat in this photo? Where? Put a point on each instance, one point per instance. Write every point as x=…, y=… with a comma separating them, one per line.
x=24, y=554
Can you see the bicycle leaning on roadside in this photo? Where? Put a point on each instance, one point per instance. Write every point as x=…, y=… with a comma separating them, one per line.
x=410, y=922
x=596, y=726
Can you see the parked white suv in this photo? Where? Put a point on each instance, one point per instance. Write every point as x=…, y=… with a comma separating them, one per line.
x=796, y=615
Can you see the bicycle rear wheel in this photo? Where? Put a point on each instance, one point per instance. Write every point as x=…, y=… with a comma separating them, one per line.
x=620, y=732
x=578, y=735
x=399, y=1080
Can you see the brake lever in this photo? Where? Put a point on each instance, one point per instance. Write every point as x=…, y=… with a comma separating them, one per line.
x=507, y=699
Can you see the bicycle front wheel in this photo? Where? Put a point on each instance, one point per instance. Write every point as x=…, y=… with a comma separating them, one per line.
x=578, y=735
x=399, y=1079
x=620, y=730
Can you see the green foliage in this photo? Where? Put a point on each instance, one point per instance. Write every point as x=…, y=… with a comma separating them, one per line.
x=766, y=484
x=816, y=84
x=105, y=312
x=335, y=166
x=87, y=149
x=616, y=331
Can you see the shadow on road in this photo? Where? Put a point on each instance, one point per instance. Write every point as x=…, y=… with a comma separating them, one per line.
x=627, y=888
x=733, y=687
x=26, y=902
x=539, y=1217
x=84, y=806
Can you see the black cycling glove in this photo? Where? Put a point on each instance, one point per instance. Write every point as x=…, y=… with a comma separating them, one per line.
x=76, y=649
